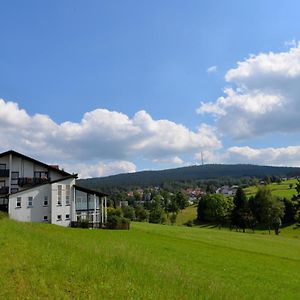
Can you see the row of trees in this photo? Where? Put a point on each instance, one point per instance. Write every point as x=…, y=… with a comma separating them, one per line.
x=156, y=211
x=264, y=210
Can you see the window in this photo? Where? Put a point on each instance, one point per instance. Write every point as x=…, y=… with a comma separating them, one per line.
x=14, y=175
x=68, y=194
x=19, y=201
x=59, y=192
x=40, y=174
x=45, y=218
x=14, y=178
x=30, y=201
x=2, y=166
x=67, y=217
x=45, y=200
x=59, y=218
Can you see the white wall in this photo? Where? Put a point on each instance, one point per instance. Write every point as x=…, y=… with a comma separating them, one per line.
x=62, y=209
x=35, y=213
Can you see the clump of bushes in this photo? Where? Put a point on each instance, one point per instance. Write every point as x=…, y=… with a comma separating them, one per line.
x=117, y=222
x=116, y=219
x=189, y=223
x=157, y=215
x=80, y=224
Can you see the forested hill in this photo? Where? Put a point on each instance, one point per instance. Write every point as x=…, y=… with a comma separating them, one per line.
x=154, y=178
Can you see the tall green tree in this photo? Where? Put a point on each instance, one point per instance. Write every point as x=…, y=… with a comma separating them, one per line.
x=240, y=213
x=271, y=209
x=215, y=208
x=181, y=200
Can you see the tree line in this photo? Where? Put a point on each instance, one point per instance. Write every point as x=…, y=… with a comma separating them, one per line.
x=162, y=206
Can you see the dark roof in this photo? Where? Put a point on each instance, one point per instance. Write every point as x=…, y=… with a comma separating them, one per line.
x=89, y=191
x=35, y=161
x=46, y=182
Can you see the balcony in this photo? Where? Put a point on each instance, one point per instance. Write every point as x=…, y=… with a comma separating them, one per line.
x=4, y=173
x=28, y=181
x=4, y=190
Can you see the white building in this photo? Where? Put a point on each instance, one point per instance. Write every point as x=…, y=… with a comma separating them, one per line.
x=227, y=191
x=33, y=191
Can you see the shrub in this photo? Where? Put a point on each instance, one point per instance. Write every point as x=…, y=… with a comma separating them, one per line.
x=116, y=222
x=80, y=224
x=141, y=214
x=157, y=215
x=128, y=212
x=189, y=223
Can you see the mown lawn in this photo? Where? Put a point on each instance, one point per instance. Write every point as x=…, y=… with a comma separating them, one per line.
x=146, y=262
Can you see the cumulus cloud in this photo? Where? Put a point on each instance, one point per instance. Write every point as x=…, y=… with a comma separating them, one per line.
x=264, y=96
x=284, y=156
x=212, y=69
x=101, y=135
x=174, y=161
x=290, y=43
x=100, y=169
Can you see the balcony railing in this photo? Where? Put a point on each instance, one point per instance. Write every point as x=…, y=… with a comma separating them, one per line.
x=4, y=190
x=4, y=173
x=23, y=181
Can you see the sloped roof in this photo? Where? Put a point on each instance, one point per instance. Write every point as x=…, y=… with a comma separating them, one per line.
x=89, y=191
x=64, y=173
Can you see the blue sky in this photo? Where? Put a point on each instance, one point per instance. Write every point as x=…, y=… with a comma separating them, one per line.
x=64, y=59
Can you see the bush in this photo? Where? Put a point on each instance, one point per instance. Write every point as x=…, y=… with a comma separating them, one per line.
x=189, y=223
x=80, y=224
x=114, y=212
x=128, y=212
x=157, y=215
x=141, y=214
x=116, y=222
x=173, y=218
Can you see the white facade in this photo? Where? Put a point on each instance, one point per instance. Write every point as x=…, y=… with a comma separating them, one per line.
x=36, y=192
x=42, y=204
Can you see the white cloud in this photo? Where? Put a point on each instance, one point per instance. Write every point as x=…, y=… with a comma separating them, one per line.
x=101, y=135
x=100, y=169
x=264, y=97
x=284, y=156
x=212, y=69
x=174, y=161
x=290, y=43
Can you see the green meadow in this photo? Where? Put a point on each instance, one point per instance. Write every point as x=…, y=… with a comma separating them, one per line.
x=281, y=189
x=189, y=213
x=146, y=262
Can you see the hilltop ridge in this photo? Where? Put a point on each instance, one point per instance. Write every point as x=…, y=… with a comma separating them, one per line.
x=203, y=172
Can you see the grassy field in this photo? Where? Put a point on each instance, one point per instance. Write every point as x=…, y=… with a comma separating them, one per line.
x=189, y=213
x=280, y=190
x=146, y=262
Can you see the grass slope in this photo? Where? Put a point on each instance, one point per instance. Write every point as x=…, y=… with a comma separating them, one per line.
x=187, y=214
x=146, y=262
x=281, y=190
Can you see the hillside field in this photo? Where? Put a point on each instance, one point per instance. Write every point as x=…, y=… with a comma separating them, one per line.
x=281, y=190
x=146, y=262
